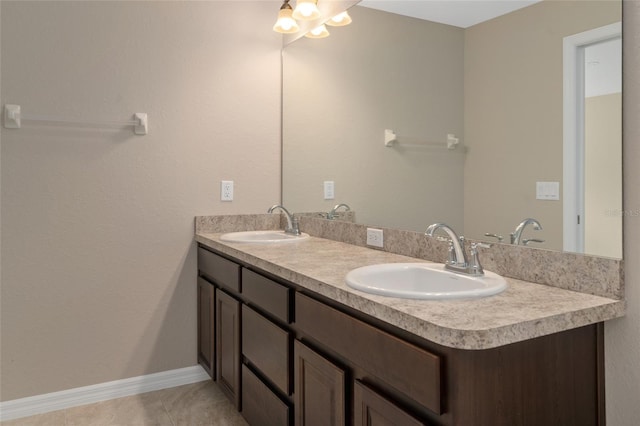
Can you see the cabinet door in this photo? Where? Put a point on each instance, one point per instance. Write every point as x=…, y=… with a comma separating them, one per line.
x=228, y=345
x=318, y=390
x=372, y=409
x=206, y=338
x=407, y=368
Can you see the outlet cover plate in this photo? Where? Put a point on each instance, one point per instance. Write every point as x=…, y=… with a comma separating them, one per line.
x=226, y=190
x=375, y=237
x=329, y=190
x=548, y=191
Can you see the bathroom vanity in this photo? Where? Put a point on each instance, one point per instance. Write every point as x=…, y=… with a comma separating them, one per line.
x=289, y=343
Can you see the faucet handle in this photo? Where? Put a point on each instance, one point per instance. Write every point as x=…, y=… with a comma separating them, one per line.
x=498, y=237
x=295, y=226
x=531, y=240
x=452, y=252
x=442, y=239
x=475, y=267
x=478, y=244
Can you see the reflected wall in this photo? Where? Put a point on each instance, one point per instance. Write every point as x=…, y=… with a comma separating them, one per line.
x=342, y=92
x=498, y=86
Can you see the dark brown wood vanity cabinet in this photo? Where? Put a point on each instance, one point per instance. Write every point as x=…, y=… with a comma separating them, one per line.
x=267, y=341
x=287, y=356
x=320, y=397
x=377, y=362
x=228, y=345
x=219, y=321
x=206, y=337
x=261, y=406
x=372, y=409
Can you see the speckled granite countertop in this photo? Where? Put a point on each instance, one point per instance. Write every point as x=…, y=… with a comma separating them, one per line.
x=523, y=311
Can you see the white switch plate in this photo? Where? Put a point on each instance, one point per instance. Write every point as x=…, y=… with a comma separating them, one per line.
x=548, y=190
x=329, y=190
x=226, y=190
x=375, y=237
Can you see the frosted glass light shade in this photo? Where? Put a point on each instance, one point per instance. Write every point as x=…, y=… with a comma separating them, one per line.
x=285, y=23
x=306, y=10
x=318, y=32
x=340, y=20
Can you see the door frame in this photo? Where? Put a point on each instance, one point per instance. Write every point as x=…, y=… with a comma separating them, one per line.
x=573, y=131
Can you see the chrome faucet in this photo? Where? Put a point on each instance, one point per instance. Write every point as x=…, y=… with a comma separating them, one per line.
x=292, y=223
x=332, y=214
x=457, y=257
x=516, y=236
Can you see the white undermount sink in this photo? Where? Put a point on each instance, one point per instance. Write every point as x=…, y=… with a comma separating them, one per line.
x=423, y=281
x=267, y=237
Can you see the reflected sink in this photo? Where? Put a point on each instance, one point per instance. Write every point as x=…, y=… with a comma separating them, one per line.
x=423, y=281
x=268, y=237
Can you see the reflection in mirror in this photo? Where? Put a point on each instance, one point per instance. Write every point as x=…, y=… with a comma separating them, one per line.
x=592, y=154
x=497, y=86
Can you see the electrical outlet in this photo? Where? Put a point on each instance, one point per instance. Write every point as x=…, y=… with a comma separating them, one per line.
x=226, y=190
x=375, y=237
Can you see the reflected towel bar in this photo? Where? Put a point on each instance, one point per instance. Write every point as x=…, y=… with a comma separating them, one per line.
x=390, y=140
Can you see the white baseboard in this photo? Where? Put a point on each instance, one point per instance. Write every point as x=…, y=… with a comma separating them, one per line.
x=39, y=404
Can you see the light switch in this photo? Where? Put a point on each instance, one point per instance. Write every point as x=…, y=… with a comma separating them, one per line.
x=548, y=191
x=329, y=190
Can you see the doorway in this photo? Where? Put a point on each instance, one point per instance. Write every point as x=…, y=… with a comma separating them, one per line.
x=592, y=146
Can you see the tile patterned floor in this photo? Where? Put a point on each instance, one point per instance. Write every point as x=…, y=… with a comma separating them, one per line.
x=190, y=405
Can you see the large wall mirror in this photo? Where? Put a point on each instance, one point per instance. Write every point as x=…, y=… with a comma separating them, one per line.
x=535, y=140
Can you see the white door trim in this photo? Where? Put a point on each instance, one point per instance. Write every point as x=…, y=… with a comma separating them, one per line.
x=573, y=131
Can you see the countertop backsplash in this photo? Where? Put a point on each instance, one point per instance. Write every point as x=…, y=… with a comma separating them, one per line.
x=571, y=271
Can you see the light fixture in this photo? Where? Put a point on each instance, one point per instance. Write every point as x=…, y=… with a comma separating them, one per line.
x=285, y=23
x=340, y=20
x=306, y=10
x=318, y=32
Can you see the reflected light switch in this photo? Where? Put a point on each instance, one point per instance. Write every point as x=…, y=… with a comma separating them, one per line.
x=548, y=190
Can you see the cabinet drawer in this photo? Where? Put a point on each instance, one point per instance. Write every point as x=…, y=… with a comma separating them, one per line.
x=266, y=346
x=218, y=269
x=407, y=368
x=260, y=406
x=267, y=294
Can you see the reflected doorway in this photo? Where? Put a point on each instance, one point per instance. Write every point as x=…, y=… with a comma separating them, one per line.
x=592, y=156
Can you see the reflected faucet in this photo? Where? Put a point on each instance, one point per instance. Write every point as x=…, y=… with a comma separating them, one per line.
x=516, y=236
x=292, y=223
x=457, y=257
x=526, y=241
x=498, y=237
x=332, y=214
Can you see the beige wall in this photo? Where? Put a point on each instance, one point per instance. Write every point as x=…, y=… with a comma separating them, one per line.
x=341, y=93
x=99, y=266
x=603, y=175
x=513, y=127
x=62, y=340
x=622, y=336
